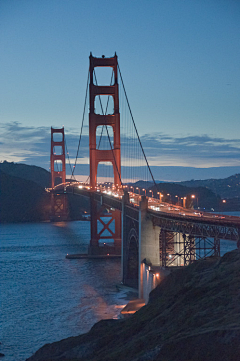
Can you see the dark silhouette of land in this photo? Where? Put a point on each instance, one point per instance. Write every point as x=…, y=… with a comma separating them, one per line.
x=23, y=197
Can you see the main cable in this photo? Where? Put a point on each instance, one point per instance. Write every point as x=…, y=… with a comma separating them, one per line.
x=136, y=129
x=71, y=170
x=80, y=137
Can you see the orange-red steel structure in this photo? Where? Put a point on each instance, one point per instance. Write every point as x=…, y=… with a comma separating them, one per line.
x=113, y=155
x=58, y=157
x=59, y=208
x=99, y=155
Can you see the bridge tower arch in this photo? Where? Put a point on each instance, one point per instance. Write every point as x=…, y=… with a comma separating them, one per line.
x=112, y=155
x=60, y=143
x=104, y=155
x=59, y=208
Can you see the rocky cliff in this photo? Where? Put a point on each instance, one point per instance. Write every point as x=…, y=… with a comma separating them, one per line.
x=194, y=314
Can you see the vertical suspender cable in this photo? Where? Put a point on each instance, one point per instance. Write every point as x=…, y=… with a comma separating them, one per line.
x=136, y=130
x=80, y=137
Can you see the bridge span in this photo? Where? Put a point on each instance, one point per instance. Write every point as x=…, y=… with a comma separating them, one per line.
x=156, y=236
x=151, y=236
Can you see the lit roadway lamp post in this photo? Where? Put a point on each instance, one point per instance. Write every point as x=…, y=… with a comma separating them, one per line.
x=193, y=197
x=169, y=195
x=151, y=192
x=138, y=190
x=144, y=191
x=184, y=202
x=177, y=200
x=160, y=196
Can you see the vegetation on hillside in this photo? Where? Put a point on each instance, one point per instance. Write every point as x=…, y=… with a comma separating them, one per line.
x=226, y=188
x=21, y=200
x=29, y=172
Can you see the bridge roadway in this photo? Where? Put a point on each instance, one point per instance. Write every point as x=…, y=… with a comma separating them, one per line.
x=167, y=216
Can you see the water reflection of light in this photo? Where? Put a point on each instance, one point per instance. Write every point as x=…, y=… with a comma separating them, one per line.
x=60, y=224
x=102, y=310
x=120, y=306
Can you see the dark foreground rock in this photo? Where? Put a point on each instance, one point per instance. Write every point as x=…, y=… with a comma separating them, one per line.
x=194, y=314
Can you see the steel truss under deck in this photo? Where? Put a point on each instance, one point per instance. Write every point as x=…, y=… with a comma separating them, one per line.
x=182, y=241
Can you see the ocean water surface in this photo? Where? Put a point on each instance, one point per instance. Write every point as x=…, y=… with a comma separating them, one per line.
x=46, y=297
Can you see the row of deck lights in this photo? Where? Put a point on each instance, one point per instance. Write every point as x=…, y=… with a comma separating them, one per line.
x=112, y=187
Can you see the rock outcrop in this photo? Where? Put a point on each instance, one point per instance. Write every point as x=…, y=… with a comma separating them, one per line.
x=193, y=315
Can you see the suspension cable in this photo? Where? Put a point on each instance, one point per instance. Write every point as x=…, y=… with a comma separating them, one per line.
x=68, y=156
x=136, y=129
x=80, y=137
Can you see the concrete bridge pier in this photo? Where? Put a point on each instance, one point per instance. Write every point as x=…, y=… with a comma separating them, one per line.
x=148, y=245
x=140, y=246
x=59, y=207
x=130, y=241
x=105, y=227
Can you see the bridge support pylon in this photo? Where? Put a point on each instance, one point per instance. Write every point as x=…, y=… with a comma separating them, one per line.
x=105, y=225
x=59, y=207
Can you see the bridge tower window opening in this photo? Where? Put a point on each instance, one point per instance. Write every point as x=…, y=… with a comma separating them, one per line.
x=105, y=137
x=104, y=104
x=105, y=175
x=58, y=150
x=57, y=137
x=58, y=166
x=103, y=76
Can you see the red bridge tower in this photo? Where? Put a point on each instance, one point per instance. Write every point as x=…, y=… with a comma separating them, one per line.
x=58, y=170
x=96, y=156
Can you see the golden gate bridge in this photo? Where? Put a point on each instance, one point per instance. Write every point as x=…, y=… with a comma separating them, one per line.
x=145, y=231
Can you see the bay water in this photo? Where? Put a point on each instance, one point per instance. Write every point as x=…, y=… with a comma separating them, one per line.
x=46, y=297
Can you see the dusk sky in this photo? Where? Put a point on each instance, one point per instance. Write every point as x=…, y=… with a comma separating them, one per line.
x=180, y=62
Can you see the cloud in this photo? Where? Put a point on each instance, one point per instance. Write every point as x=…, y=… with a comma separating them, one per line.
x=31, y=145
x=199, y=150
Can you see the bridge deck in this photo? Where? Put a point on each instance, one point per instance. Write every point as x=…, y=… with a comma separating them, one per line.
x=170, y=217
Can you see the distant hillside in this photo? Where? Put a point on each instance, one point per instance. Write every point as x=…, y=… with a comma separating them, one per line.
x=226, y=188
x=175, y=192
x=29, y=172
x=203, y=197
x=21, y=200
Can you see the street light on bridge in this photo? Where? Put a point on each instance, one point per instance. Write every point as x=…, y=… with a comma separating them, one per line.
x=184, y=201
x=160, y=196
x=194, y=197
x=138, y=190
x=169, y=195
x=144, y=191
x=151, y=192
